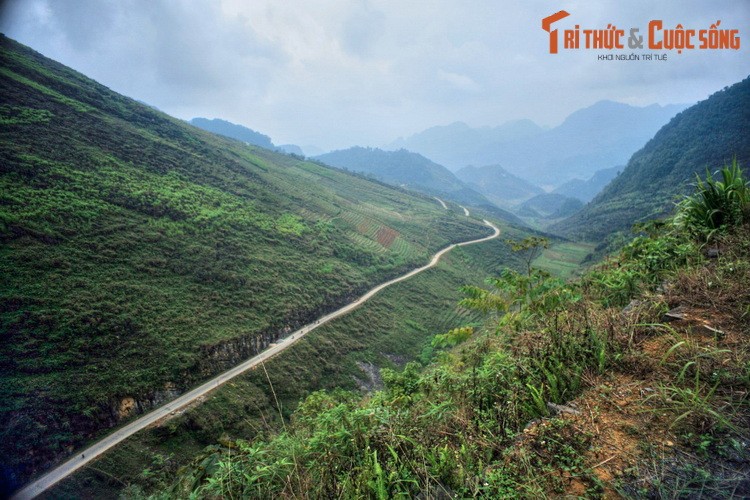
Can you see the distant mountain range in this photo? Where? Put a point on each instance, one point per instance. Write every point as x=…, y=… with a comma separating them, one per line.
x=708, y=135
x=588, y=189
x=498, y=185
x=549, y=206
x=457, y=145
x=600, y=136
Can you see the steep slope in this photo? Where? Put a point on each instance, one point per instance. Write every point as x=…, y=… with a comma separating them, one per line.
x=234, y=131
x=139, y=254
x=604, y=134
x=498, y=185
x=404, y=168
x=585, y=191
x=705, y=136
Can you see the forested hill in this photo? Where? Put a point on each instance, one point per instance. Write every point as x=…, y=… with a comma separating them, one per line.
x=140, y=254
x=410, y=170
x=705, y=136
x=228, y=129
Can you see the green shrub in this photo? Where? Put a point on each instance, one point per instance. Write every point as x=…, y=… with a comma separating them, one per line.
x=716, y=205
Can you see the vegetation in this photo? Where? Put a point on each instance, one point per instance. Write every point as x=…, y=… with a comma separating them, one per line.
x=139, y=254
x=404, y=168
x=234, y=131
x=394, y=327
x=560, y=391
x=498, y=185
x=707, y=134
x=717, y=205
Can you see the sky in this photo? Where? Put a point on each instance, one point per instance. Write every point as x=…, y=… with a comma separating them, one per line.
x=338, y=73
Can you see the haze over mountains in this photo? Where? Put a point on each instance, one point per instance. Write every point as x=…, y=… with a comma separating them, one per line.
x=600, y=136
x=498, y=185
x=702, y=138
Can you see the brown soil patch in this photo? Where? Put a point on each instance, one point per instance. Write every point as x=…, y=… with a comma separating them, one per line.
x=386, y=236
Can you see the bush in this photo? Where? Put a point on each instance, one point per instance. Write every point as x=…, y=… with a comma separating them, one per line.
x=716, y=205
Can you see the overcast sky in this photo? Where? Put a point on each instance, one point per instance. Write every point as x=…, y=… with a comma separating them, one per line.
x=335, y=73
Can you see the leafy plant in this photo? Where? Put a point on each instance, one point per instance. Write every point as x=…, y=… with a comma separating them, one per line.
x=717, y=204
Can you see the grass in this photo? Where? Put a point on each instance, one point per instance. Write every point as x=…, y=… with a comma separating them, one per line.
x=139, y=253
x=394, y=327
x=563, y=259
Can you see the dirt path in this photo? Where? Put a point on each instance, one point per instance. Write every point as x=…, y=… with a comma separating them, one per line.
x=466, y=210
x=83, y=457
x=442, y=203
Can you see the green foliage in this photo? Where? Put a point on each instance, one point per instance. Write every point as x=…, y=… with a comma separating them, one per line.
x=709, y=133
x=140, y=255
x=453, y=337
x=530, y=248
x=456, y=427
x=716, y=205
x=642, y=264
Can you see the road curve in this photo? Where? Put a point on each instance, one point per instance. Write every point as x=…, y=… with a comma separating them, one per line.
x=62, y=471
x=441, y=202
x=466, y=210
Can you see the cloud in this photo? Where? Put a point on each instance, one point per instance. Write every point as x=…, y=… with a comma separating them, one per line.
x=340, y=72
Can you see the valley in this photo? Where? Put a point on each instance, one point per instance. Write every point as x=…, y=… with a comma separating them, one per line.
x=193, y=308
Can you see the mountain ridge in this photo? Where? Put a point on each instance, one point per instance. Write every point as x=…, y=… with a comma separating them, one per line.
x=705, y=136
x=589, y=139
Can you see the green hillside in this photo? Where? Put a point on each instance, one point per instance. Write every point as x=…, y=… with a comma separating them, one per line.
x=407, y=169
x=630, y=382
x=140, y=255
x=705, y=136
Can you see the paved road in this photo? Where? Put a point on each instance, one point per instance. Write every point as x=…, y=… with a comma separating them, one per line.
x=466, y=210
x=442, y=203
x=85, y=456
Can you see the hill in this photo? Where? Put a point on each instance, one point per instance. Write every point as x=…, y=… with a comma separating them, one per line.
x=707, y=135
x=457, y=145
x=630, y=382
x=406, y=169
x=229, y=129
x=498, y=185
x=550, y=206
x=585, y=191
x=604, y=134
x=139, y=255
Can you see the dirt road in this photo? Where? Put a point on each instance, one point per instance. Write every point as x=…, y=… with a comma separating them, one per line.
x=83, y=457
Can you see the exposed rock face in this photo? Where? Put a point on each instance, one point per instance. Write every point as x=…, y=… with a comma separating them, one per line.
x=373, y=381
x=127, y=408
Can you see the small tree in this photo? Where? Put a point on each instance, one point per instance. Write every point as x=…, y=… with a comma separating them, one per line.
x=530, y=248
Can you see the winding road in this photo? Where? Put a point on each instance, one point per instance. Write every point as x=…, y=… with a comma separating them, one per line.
x=441, y=202
x=83, y=457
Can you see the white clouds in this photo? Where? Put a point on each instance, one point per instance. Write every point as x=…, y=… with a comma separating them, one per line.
x=340, y=72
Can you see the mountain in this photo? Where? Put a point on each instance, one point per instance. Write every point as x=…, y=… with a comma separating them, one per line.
x=229, y=129
x=139, y=255
x=406, y=169
x=707, y=135
x=458, y=145
x=498, y=185
x=549, y=206
x=291, y=149
x=606, y=133
x=586, y=190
